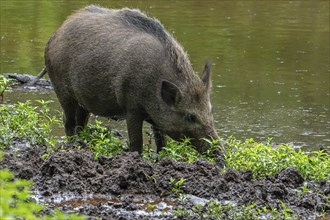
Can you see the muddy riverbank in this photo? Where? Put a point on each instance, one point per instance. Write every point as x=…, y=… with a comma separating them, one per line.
x=129, y=187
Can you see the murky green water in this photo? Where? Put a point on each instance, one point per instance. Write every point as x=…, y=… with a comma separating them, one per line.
x=270, y=58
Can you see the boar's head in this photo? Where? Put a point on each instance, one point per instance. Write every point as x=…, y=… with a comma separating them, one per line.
x=188, y=110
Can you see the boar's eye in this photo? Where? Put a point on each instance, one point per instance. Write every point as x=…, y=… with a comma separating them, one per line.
x=191, y=118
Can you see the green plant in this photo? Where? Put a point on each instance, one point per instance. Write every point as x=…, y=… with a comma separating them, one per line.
x=15, y=202
x=304, y=188
x=182, y=210
x=286, y=212
x=177, y=186
x=27, y=122
x=4, y=85
x=180, y=151
x=215, y=210
x=151, y=207
x=101, y=141
x=14, y=198
x=264, y=159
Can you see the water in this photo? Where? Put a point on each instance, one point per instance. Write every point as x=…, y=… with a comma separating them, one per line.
x=128, y=205
x=270, y=59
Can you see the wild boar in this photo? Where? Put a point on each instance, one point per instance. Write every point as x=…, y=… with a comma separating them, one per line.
x=123, y=64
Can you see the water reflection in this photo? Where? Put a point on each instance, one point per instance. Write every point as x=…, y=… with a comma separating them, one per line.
x=270, y=59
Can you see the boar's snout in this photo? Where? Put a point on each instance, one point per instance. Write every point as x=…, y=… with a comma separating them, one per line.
x=213, y=134
x=202, y=145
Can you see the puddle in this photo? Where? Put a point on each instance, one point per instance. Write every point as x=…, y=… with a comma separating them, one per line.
x=131, y=205
x=78, y=202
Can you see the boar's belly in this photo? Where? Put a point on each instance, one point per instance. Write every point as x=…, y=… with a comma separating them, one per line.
x=105, y=108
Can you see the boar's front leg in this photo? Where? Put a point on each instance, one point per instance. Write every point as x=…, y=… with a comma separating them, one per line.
x=160, y=139
x=134, y=128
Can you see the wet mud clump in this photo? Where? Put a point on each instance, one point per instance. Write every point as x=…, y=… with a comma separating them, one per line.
x=129, y=187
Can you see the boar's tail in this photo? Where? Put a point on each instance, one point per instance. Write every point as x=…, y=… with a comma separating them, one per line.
x=36, y=79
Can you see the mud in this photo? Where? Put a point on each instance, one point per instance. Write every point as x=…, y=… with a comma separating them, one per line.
x=129, y=187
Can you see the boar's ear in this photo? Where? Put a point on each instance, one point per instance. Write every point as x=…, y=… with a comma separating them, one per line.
x=170, y=93
x=206, y=76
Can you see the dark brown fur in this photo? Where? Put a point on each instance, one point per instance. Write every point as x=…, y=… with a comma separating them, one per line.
x=125, y=65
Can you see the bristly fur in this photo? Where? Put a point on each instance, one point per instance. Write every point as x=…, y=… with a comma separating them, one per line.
x=137, y=19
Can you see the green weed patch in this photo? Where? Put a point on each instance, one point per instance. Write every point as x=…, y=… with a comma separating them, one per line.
x=265, y=160
x=101, y=141
x=25, y=121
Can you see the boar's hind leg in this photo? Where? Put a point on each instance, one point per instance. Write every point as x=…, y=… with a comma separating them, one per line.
x=75, y=117
x=69, y=109
x=159, y=139
x=82, y=117
x=134, y=127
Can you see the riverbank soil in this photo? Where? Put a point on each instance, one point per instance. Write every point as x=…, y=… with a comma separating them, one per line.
x=129, y=187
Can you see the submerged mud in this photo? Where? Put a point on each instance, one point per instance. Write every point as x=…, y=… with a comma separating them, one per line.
x=129, y=187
